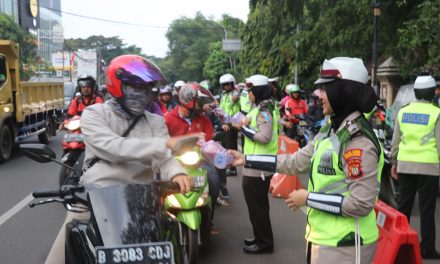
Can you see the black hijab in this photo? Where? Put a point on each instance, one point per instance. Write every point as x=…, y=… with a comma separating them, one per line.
x=261, y=93
x=346, y=96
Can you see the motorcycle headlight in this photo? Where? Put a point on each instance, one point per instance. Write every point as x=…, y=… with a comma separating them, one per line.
x=173, y=201
x=190, y=158
x=200, y=201
x=73, y=125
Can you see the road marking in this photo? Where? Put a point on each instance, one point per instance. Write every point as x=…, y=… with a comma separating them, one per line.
x=9, y=214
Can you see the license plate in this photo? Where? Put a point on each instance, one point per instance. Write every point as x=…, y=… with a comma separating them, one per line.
x=146, y=253
x=302, y=123
x=73, y=137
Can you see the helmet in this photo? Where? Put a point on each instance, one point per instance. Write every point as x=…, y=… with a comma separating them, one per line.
x=275, y=79
x=179, y=84
x=205, y=84
x=86, y=80
x=165, y=90
x=132, y=70
x=192, y=91
x=424, y=87
x=227, y=78
x=293, y=88
x=343, y=68
x=257, y=80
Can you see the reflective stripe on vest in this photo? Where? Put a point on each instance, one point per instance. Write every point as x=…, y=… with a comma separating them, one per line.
x=417, y=125
x=252, y=147
x=327, y=177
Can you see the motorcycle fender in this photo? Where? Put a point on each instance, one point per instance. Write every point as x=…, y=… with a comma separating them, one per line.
x=191, y=218
x=78, y=248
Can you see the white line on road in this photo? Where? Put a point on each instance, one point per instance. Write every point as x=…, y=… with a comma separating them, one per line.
x=9, y=214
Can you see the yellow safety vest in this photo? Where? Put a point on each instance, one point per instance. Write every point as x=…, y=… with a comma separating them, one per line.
x=251, y=147
x=228, y=105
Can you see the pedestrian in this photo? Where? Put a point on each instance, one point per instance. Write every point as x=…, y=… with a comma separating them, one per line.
x=261, y=137
x=345, y=162
x=415, y=150
x=112, y=158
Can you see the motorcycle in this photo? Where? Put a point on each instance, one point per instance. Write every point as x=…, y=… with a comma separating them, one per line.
x=128, y=223
x=192, y=209
x=73, y=151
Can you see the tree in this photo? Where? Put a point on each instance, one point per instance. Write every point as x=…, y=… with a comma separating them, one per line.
x=10, y=30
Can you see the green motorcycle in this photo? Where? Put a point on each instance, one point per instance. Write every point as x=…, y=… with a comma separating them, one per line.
x=192, y=209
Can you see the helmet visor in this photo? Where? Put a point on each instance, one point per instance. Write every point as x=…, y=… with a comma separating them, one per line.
x=140, y=73
x=85, y=83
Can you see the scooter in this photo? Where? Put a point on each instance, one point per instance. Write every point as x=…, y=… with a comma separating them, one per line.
x=192, y=209
x=128, y=223
x=73, y=151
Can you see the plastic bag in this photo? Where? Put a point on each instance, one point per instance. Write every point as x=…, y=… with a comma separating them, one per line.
x=215, y=154
x=239, y=118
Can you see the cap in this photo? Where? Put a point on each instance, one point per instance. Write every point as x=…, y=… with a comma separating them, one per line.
x=257, y=80
x=344, y=68
x=424, y=82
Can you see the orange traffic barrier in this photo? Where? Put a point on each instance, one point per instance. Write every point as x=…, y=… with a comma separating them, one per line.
x=397, y=242
x=281, y=184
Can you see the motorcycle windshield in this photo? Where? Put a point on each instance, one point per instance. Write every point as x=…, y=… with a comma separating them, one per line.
x=127, y=214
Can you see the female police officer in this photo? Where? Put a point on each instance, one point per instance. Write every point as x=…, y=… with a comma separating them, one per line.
x=345, y=160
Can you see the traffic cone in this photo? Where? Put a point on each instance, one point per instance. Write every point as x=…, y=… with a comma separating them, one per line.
x=397, y=242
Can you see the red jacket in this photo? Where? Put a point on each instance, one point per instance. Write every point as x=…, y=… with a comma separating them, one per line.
x=177, y=125
x=79, y=103
x=294, y=107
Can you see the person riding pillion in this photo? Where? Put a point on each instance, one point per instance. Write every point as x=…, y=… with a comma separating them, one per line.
x=345, y=161
x=260, y=132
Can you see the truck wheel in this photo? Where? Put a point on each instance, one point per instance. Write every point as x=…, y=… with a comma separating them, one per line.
x=6, y=143
x=46, y=136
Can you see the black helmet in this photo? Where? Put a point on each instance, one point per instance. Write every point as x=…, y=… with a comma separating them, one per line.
x=85, y=80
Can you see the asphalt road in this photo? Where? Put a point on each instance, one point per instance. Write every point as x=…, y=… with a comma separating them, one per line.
x=27, y=234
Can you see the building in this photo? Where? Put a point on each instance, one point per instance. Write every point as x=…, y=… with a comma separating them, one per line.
x=10, y=7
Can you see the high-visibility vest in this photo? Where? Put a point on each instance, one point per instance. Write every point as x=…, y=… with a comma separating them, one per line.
x=417, y=126
x=328, y=177
x=245, y=103
x=253, y=147
x=228, y=105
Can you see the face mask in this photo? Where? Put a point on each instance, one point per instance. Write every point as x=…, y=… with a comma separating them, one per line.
x=136, y=99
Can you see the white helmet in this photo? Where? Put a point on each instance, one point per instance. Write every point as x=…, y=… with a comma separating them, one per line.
x=179, y=83
x=343, y=68
x=257, y=80
x=227, y=78
x=424, y=82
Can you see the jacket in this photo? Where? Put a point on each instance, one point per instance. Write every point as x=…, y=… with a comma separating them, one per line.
x=131, y=159
x=178, y=126
x=79, y=103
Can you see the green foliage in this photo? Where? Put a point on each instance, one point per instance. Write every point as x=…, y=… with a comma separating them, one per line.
x=216, y=64
x=10, y=30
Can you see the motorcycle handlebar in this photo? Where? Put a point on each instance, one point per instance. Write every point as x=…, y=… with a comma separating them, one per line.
x=61, y=192
x=47, y=193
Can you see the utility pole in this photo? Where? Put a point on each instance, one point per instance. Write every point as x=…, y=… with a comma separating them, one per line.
x=376, y=11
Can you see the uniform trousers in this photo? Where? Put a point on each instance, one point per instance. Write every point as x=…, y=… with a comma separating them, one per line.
x=427, y=187
x=256, y=192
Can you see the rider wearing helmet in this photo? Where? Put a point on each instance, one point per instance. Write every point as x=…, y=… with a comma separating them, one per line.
x=86, y=86
x=123, y=142
x=294, y=108
x=166, y=104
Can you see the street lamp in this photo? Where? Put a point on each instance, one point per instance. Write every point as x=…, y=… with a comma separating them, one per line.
x=375, y=4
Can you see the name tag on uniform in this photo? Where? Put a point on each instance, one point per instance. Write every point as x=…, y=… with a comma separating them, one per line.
x=412, y=118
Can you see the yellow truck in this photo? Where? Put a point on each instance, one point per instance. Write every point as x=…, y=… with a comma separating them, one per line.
x=26, y=108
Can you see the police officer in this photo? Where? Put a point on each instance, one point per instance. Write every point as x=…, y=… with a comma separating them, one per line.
x=261, y=137
x=415, y=153
x=229, y=103
x=345, y=160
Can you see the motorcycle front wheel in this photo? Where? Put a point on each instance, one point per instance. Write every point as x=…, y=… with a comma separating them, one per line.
x=190, y=247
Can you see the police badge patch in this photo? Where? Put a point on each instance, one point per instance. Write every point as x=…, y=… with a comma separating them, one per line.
x=353, y=157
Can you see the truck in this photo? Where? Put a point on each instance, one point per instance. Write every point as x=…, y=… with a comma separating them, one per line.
x=26, y=108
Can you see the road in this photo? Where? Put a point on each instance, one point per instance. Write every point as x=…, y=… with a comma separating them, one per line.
x=28, y=233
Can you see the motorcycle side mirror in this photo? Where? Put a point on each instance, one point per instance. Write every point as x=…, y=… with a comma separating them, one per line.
x=39, y=152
